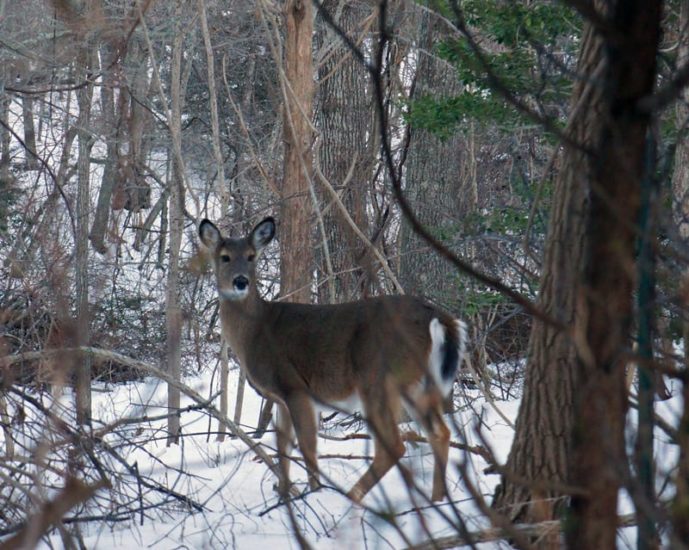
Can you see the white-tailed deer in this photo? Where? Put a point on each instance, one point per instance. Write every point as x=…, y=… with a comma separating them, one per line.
x=384, y=352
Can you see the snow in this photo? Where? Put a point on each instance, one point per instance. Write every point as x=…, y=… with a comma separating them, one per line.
x=241, y=507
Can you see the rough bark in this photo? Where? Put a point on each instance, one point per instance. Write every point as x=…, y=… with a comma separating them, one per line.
x=434, y=175
x=605, y=295
x=344, y=119
x=680, y=202
x=570, y=426
x=680, y=176
x=542, y=445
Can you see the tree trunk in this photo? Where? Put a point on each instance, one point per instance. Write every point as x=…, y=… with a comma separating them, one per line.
x=680, y=204
x=542, y=440
x=434, y=176
x=173, y=311
x=176, y=225
x=570, y=426
x=102, y=213
x=5, y=138
x=680, y=176
x=223, y=193
x=29, y=132
x=344, y=117
x=616, y=169
x=296, y=253
x=83, y=373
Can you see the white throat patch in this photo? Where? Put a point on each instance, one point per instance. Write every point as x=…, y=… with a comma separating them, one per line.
x=233, y=294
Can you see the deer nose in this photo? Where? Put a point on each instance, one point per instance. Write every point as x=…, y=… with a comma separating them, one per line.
x=240, y=282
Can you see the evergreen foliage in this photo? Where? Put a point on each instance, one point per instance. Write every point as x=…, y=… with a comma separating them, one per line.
x=528, y=48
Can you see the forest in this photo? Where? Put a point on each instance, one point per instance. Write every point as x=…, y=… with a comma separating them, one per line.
x=520, y=167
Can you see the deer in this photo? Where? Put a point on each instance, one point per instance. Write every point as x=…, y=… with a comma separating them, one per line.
x=383, y=353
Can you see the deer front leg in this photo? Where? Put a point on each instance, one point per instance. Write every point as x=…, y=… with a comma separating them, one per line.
x=304, y=421
x=284, y=433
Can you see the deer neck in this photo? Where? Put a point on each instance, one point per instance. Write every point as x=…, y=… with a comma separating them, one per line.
x=241, y=320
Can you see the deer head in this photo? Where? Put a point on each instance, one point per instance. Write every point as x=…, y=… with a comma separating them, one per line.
x=234, y=260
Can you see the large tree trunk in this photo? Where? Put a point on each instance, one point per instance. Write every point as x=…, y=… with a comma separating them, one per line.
x=433, y=176
x=542, y=443
x=680, y=204
x=605, y=296
x=344, y=116
x=680, y=176
x=571, y=423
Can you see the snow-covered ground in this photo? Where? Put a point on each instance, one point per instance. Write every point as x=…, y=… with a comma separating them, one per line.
x=240, y=506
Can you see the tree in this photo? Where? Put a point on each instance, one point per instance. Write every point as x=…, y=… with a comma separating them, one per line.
x=83, y=321
x=595, y=211
x=346, y=151
x=605, y=293
x=296, y=225
x=173, y=309
x=434, y=171
x=680, y=205
x=542, y=443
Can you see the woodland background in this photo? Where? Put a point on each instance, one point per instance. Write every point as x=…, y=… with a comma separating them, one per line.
x=522, y=164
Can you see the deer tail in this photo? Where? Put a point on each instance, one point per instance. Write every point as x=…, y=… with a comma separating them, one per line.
x=448, y=346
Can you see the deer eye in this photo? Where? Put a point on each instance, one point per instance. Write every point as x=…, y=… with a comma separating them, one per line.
x=225, y=258
x=251, y=257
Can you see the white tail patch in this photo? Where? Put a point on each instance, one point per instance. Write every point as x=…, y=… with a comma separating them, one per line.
x=439, y=354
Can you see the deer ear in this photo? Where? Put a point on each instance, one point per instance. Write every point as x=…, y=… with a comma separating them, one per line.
x=209, y=233
x=262, y=234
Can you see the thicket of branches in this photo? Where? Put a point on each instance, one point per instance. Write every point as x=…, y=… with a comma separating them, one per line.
x=122, y=124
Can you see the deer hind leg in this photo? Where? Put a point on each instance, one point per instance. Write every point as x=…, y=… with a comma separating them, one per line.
x=284, y=432
x=431, y=418
x=440, y=443
x=304, y=421
x=382, y=412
